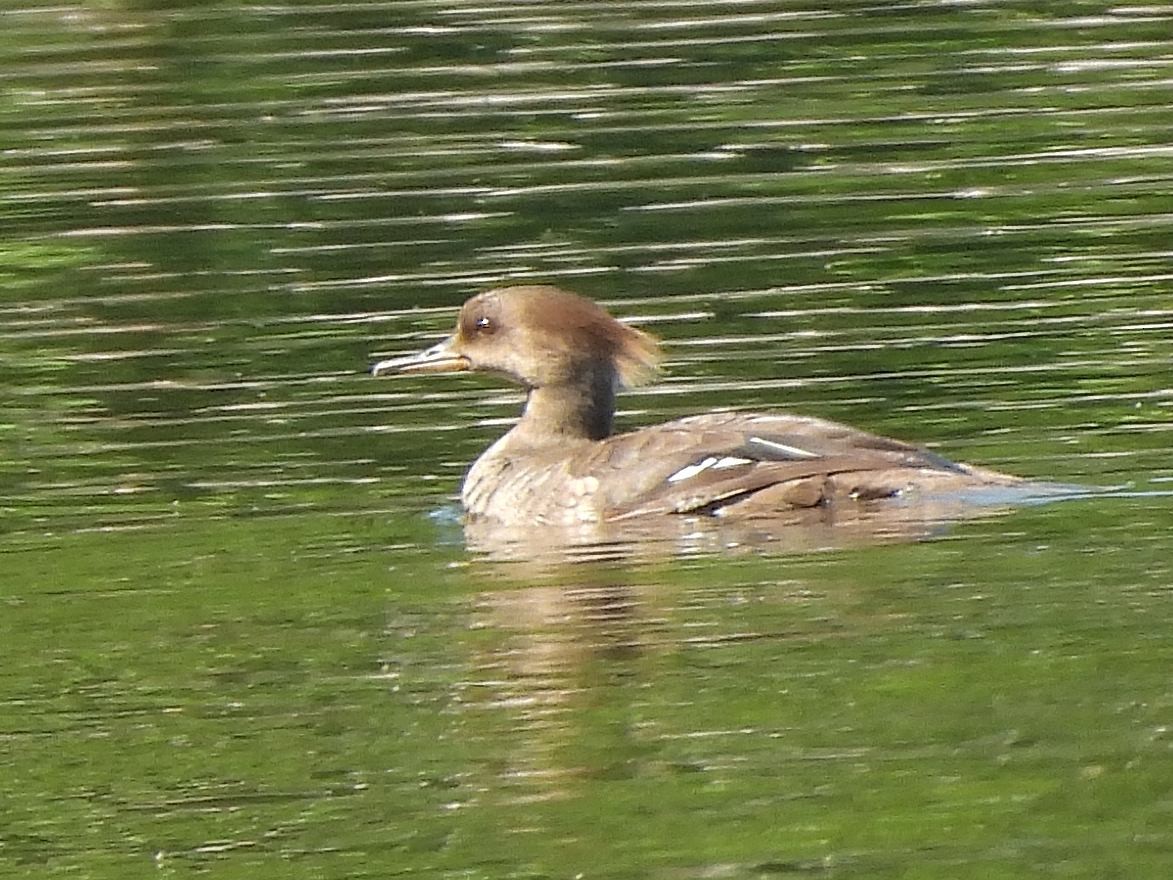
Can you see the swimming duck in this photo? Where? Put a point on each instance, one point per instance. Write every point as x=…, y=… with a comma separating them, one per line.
x=563, y=465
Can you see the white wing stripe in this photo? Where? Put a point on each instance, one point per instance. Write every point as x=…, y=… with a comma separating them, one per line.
x=789, y=451
x=690, y=471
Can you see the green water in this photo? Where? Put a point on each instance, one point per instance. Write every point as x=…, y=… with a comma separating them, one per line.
x=240, y=633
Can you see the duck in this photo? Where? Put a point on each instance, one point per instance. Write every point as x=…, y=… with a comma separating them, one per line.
x=562, y=464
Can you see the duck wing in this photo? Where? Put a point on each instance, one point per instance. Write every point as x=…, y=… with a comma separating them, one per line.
x=721, y=463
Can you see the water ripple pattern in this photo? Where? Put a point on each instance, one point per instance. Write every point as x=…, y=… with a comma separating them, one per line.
x=945, y=221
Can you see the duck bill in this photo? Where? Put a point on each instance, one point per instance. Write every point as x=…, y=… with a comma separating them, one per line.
x=440, y=358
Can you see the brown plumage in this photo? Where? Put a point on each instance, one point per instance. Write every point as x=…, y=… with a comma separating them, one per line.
x=561, y=465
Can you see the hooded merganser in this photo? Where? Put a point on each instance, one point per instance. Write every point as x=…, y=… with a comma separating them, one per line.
x=561, y=465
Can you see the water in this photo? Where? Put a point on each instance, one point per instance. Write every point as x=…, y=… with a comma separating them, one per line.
x=241, y=630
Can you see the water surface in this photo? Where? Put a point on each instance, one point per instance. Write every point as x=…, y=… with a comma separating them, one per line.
x=242, y=633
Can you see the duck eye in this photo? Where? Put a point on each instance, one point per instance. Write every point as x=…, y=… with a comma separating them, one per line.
x=484, y=324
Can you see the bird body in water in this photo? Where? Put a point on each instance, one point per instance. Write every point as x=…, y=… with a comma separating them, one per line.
x=562, y=465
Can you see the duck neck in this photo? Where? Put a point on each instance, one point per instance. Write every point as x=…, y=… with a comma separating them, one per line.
x=583, y=409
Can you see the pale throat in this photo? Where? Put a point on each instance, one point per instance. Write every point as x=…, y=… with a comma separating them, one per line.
x=583, y=409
